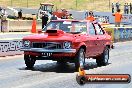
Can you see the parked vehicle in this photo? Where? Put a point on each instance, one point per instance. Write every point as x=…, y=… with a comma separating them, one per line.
x=48, y=9
x=45, y=8
x=68, y=41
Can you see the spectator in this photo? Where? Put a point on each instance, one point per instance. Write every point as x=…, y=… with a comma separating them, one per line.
x=130, y=8
x=1, y=14
x=86, y=14
x=127, y=8
x=70, y=16
x=53, y=17
x=118, y=18
x=0, y=8
x=20, y=14
x=113, y=7
x=91, y=16
x=44, y=19
x=4, y=11
x=117, y=6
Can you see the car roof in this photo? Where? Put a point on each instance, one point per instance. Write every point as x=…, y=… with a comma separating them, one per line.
x=48, y=4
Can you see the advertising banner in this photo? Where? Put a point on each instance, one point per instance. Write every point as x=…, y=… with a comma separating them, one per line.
x=126, y=20
x=122, y=34
x=10, y=47
x=107, y=16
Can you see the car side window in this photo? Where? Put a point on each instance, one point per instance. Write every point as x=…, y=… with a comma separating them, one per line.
x=91, y=29
x=99, y=30
x=80, y=27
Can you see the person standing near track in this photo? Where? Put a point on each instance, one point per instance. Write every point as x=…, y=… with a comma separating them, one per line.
x=70, y=16
x=127, y=8
x=44, y=19
x=113, y=7
x=20, y=14
x=118, y=18
x=90, y=17
x=130, y=8
x=86, y=14
x=117, y=5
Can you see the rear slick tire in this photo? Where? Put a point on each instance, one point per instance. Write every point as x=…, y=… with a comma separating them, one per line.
x=102, y=60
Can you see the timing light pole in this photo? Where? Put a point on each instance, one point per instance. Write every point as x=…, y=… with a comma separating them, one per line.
x=27, y=3
x=109, y=4
x=11, y=2
x=76, y=4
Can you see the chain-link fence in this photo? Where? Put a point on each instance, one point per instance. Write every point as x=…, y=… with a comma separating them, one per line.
x=98, y=5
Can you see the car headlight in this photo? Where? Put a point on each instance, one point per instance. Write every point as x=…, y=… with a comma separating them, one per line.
x=67, y=45
x=26, y=43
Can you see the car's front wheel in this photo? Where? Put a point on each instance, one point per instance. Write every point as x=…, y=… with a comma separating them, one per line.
x=80, y=59
x=29, y=61
x=102, y=60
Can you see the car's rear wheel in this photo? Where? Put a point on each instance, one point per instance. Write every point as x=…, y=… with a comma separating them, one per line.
x=29, y=61
x=80, y=59
x=102, y=60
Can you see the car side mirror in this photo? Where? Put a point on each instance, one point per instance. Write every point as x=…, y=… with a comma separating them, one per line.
x=39, y=31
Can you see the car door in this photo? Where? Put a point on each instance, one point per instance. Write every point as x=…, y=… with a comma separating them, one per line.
x=91, y=38
x=100, y=38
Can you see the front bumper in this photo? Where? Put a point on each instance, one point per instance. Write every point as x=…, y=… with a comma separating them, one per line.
x=41, y=50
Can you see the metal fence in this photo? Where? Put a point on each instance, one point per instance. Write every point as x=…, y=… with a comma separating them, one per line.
x=98, y=5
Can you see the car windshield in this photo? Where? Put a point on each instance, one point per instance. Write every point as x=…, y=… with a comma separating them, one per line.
x=67, y=26
x=46, y=8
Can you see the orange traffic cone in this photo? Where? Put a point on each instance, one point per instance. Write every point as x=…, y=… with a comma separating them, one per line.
x=82, y=72
x=34, y=26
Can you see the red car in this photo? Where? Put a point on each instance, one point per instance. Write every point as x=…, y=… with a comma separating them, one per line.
x=68, y=41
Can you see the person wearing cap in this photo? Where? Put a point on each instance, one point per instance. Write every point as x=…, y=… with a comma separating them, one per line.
x=118, y=18
x=90, y=17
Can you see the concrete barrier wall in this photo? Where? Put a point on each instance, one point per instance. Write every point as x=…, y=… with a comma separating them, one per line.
x=18, y=25
x=122, y=34
x=10, y=43
x=22, y=25
x=13, y=35
x=10, y=47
